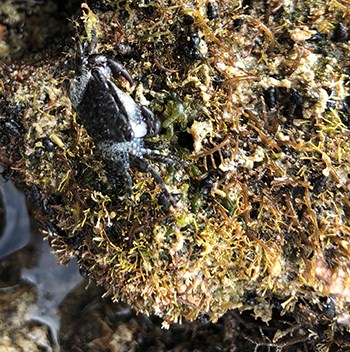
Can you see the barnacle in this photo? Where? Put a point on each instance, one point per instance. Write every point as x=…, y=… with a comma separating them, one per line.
x=264, y=209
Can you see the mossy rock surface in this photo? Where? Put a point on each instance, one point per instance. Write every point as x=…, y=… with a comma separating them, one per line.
x=254, y=107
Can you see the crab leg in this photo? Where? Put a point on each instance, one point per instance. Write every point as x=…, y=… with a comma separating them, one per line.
x=145, y=167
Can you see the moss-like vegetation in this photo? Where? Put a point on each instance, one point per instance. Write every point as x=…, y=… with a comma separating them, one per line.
x=254, y=104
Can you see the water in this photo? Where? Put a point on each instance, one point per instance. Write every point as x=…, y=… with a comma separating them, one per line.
x=28, y=261
x=15, y=220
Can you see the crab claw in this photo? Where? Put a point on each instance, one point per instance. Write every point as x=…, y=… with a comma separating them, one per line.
x=100, y=77
x=153, y=124
x=119, y=69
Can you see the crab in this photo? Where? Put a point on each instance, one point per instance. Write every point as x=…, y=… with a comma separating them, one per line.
x=111, y=117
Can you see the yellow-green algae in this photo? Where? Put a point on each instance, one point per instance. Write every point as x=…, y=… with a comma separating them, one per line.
x=276, y=219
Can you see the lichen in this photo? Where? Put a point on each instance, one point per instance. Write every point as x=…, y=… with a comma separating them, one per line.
x=254, y=115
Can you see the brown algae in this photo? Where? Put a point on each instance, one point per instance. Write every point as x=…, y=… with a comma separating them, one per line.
x=253, y=103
